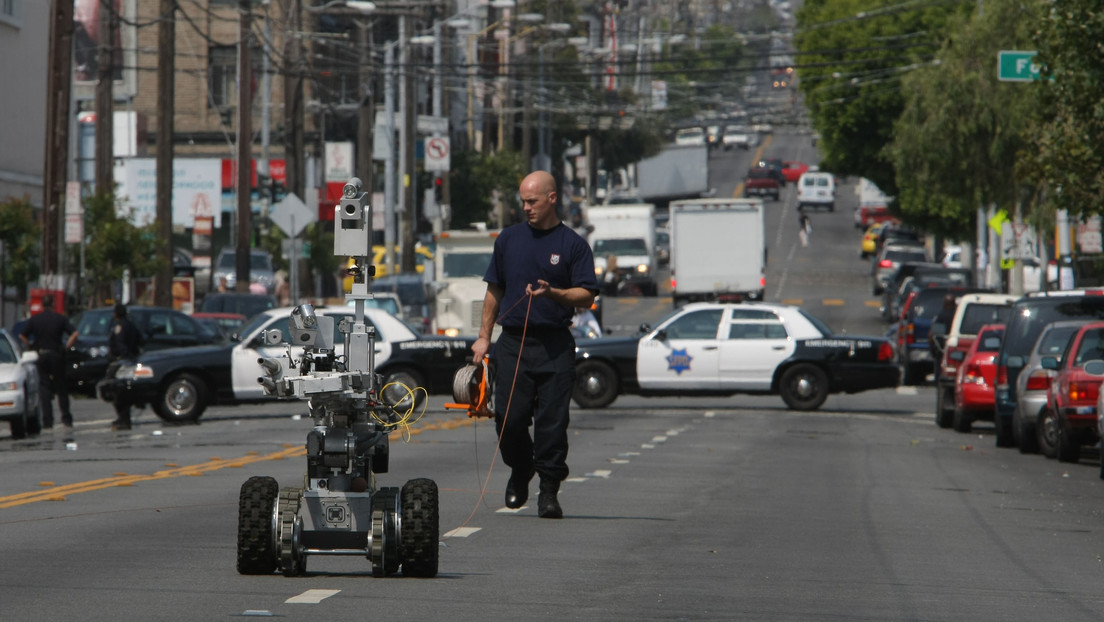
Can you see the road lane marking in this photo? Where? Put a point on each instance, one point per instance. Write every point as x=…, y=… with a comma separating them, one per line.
x=310, y=597
x=51, y=492
x=461, y=532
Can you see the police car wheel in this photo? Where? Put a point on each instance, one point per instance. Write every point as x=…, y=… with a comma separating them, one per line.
x=595, y=385
x=804, y=387
x=183, y=399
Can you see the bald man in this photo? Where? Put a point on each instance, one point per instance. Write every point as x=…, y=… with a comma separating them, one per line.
x=540, y=273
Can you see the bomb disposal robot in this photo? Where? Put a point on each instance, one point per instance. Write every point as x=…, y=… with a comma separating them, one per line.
x=339, y=511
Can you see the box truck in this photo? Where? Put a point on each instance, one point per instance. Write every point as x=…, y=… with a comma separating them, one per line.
x=718, y=251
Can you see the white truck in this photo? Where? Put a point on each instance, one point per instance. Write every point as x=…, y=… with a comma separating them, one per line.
x=718, y=251
x=460, y=262
x=677, y=172
x=623, y=240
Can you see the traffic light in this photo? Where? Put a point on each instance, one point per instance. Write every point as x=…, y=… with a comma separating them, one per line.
x=438, y=188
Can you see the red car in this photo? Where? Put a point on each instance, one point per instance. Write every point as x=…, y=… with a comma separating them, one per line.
x=976, y=377
x=1070, y=416
x=793, y=170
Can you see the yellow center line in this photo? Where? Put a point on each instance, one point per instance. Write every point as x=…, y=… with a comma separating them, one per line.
x=51, y=492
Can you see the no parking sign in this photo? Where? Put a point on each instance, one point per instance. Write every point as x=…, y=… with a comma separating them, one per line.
x=437, y=154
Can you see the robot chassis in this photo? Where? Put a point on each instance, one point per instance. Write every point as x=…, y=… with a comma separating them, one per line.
x=339, y=511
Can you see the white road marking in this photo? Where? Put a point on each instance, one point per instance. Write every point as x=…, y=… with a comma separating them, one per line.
x=659, y=439
x=618, y=461
x=603, y=473
x=461, y=532
x=647, y=446
x=311, y=597
x=506, y=510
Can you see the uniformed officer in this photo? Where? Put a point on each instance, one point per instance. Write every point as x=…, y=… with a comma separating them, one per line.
x=122, y=344
x=541, y=271
x=44, y=332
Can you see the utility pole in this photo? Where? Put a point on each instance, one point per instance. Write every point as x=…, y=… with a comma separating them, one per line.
x=105, y=134
x=366, y=112
x=58, y=88
x=293, y=102
x=409, y=135
x=166, y=89
x=245, y=148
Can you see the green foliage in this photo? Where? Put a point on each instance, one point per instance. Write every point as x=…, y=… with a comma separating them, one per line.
x=474, y=179
x=113, y=245
x=962, y=132
x=1070, y=150
x=851, y=56
x=19, y=233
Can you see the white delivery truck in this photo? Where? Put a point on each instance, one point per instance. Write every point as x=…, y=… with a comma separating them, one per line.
x=718, y=251
x=460, y=262
x=623, y=240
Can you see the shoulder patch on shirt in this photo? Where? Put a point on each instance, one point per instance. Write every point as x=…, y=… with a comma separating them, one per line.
x=555, y=259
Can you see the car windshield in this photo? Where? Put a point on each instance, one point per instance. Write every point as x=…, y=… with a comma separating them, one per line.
x=1091, y=347
x=7, y=354
x=978, y=315
x=456, y=265
x=1029, y=318
x=94, y=324
x=1055, y=340
x=628, y=246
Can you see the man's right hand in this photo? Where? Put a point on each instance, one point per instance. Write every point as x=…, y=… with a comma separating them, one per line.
x=479, y=349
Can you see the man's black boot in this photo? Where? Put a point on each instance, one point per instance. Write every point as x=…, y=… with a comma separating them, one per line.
x=547, y=504
x=517, y=488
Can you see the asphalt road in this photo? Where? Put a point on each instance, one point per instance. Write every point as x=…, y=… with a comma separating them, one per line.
x=676, y=509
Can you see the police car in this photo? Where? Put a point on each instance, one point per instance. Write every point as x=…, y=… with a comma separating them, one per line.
x=180, y=383
x=724, y=349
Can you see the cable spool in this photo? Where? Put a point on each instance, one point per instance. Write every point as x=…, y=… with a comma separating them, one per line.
x=465, y=383
x=469, y=389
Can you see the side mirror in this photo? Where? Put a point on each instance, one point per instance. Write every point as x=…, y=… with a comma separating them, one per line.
x=645, y=328
x=957, y=355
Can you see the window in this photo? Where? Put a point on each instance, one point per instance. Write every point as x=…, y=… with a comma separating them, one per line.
x=221, y=75
x=11, y=12
x=755, y=324
x=695, y=325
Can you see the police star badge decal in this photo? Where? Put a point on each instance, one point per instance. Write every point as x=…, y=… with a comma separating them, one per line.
x=678, y=361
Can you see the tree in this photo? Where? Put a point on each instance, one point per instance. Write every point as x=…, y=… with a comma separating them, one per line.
x=116, y=246
x=476, y=177
x=962, y=134
x=19, y=236
x=1071, y=147
x=850, y=61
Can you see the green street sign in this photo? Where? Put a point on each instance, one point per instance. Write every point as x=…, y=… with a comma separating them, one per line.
x=1017, y=66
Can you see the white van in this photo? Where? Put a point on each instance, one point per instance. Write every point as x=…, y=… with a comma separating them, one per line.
x=816, y=189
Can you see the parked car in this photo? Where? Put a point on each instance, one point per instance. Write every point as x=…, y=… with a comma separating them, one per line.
x=866, y=215
x=913, y=349
x=1030, y=314
x=976, y=377
x=226, y=269
x=868, y=245
x=1032, y=385
x=735, y=136
x=160, y=328
x=921, y=275
x=181, y=383
x=894, y=289
x=728, y=348
x=233, y=302
x=1073, y=393
x=20, y=403
x=816, y=189
x=889, y=259
x=950, y=343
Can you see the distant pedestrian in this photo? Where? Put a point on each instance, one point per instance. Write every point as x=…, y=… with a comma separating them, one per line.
x=122, y=344
x=805, y=227
x=45, y=330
